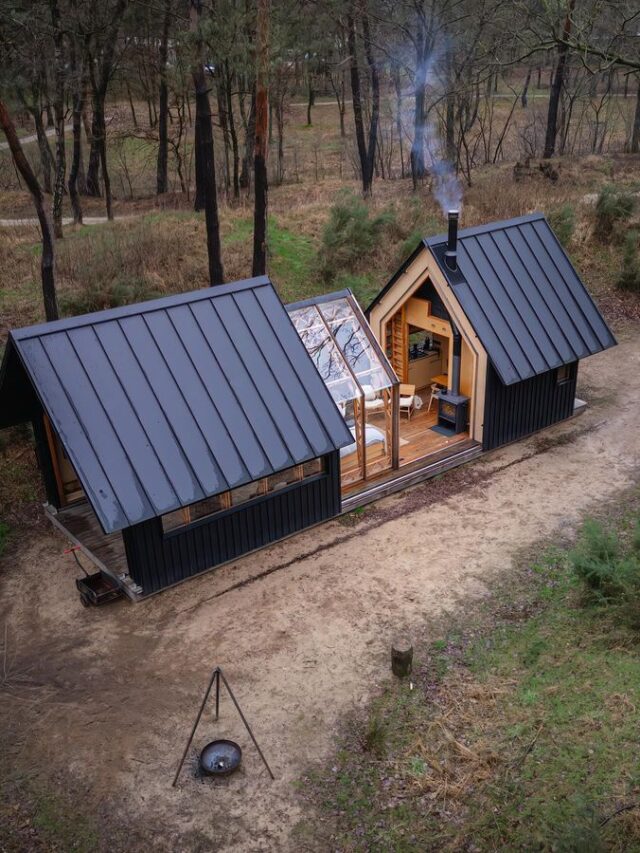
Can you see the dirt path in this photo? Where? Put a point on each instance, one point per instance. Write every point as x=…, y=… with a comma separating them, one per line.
x=66, y=220
x=25, y=140
x=106, y=698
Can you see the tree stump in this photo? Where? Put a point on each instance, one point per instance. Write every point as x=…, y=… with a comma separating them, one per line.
x=401, y=657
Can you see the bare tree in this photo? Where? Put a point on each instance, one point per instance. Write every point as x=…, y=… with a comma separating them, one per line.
x=101, y=55
x=558, y=82
x=634, y=147
x=58, y=111
x=205, y=161
x=162, y=180
x=366, y=149
x=261, y=144
x=47, y=260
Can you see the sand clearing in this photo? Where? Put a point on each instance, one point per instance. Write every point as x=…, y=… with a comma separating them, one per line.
x=105, y=698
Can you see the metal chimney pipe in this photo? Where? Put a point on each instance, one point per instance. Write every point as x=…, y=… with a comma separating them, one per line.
x=451, y=255
x=455, y=367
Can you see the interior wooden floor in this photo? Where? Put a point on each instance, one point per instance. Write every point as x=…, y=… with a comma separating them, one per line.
x=106, y=550
x=417, y=439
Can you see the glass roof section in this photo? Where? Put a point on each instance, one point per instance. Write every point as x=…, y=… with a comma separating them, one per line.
x=341, y=348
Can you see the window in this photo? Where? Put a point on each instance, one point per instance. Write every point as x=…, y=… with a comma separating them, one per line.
x=563, y=374
x=241, y=494
x=284, y=478
x=245, y=493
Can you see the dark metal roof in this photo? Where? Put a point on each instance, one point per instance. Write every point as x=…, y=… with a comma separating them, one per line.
x=164, y=403
x=522, y=296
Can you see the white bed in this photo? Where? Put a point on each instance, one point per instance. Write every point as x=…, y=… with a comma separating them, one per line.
x=373, y=436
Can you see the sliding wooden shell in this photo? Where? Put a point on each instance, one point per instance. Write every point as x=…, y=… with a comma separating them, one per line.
x=359, y=378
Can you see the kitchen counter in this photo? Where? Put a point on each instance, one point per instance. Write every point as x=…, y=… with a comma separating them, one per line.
x=424, y=368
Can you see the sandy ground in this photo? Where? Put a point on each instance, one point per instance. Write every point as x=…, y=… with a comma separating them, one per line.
x=103, y=700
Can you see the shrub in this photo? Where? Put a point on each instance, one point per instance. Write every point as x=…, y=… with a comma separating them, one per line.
x=630, y=274
x=119, y=263
x=374, y=737
x=563, y=222
x=350, y=233
x=98, y=294
x=608, y=575
x=595, y=562
x=613, y=207
x=361, y=286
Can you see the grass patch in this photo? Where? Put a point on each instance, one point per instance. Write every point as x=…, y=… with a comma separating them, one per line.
x=290, y=261
x=36, y=818
x=519, y=734
x=125, y=262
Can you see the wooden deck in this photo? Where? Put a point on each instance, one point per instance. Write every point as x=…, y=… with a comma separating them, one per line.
x=105, y=550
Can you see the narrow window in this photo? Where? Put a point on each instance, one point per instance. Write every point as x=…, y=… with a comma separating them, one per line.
x=563, y=374
x=241, y=494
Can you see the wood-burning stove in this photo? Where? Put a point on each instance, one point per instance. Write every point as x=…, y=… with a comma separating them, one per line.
x=453, y=411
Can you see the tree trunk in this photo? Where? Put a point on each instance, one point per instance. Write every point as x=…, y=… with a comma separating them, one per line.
x=134, y=117
x=249, y=142
x=417, y=148
x=162, y=179
x=198, y=199
x=58, y=110
x=232, y=131
x=204, y=142
x=375, y=96
x=401, y=657
x=635, y=134
x=356, y=98
x=105, y=173
x=93, y=170
x=259, y=266
x=77, y=82
x=556, y=86
x=224, y=125
x=280, y=126
x=311, y=99
x=76, y=163
x=46, y=159
x=47, y=262
x=100, y=66
x=524, y=97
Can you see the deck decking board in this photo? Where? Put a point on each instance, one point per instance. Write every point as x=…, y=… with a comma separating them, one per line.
x=107, y=550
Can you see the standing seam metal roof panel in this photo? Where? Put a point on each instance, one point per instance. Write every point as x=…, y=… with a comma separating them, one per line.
x=162, y=404
x=523, y=297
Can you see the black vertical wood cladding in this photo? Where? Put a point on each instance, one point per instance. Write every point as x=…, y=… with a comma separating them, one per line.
x=513, y=411
x=157, y=560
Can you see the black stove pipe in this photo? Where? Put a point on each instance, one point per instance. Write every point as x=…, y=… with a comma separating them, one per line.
x=451, y=255
x=455, y=367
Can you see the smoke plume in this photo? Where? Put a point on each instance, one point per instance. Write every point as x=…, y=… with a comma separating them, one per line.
x=446, y=186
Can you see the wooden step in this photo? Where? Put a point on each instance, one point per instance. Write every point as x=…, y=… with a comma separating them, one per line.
x=412, y=474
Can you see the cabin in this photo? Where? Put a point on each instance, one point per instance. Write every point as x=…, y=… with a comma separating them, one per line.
x=493, y=322
x=176, y=434
x=181, y=433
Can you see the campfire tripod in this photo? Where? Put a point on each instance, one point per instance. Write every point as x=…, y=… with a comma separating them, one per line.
x=216, y=675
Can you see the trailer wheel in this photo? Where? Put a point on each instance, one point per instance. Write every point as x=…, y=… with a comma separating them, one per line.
x=84, y=598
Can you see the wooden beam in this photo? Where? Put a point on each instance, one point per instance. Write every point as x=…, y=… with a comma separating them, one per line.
x=53, y=450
